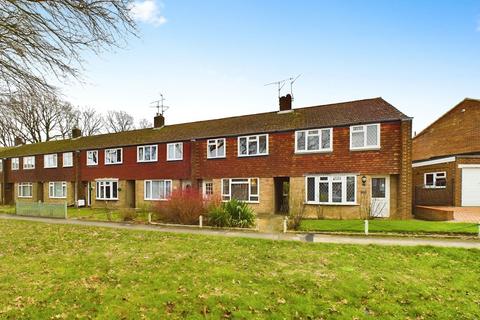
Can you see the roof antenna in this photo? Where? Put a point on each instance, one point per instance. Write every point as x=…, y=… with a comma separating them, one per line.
x=159, y=105
x=292, y=81
x=281, y=83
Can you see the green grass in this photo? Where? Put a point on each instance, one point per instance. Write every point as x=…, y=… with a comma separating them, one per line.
x=396, y=226
x=68, y=272
x=7, y=209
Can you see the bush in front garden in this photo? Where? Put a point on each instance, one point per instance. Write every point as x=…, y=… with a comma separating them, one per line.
x=183, y=207
x=233, y=213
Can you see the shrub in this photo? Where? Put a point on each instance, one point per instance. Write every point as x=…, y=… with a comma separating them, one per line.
x=297, y=214
x=233, y=213
x=183, y=207
x=128, y=214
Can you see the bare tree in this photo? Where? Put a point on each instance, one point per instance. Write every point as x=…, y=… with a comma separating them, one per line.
x=118, y=121
x=47, y=37
x=89, y=121
x=145, y=124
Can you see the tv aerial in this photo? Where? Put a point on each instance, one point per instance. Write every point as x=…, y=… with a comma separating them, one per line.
x=281, y=83
x=158, y=104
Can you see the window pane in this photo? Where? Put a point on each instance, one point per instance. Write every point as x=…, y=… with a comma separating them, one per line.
x=178, y=150
x=108, y=190
x=358, y=139
x=336, y=192
x=372, y=135
x=262, y=148
x=212, y=151
x=114, y=190
x=243, y=145
x=440, y=182
x=140, y=154
x=378, y=187
x=429, y=179
x=226, y=186
x=301, y=140
x=254, y=187
x=350, y=189
x=323, y=191
x=148, y=190
x=252, y=146
x=313, y=142
x=168, y=189
x=171, y=151
x=221, y=148
x=240, y=191
x=311, y=189
x=326, y=139
x=153, y=153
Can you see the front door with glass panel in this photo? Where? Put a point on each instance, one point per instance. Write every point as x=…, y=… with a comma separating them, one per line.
x=380, y=203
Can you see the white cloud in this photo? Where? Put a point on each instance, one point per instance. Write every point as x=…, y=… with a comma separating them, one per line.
x=148, y=11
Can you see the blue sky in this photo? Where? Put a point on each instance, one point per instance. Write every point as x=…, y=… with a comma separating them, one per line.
x=212, y=58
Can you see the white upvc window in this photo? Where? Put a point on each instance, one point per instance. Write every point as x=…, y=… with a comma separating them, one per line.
x=15, y=163
x=67, y=159
x=331, y=189
x=25, y=190
x=157, y=189
x=114, y=156
x=314, y=140
x=29, y=163
x=435, y=179
x=57, y=190
x=107, y=189
x=175, y=151
x=216, y=148
x=92, y=157
x=147, y=153
x=50, y=160
x=207, y=188
x=243, y=189
x=256, y=145
x=364, y=137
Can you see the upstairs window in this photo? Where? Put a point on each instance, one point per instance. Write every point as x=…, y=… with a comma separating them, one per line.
x=57, y=190
x=67, y=159
x=216, y=148
x=158, y=189
x=317, y=140
x=365, y=137
x=29, y=163
x=241, y=189
x=435, y=179
x=147, y=153
x=113, y=156
x=50, y=160
x=25, y=190
x=256, y=145
x=331, y=189
x=92, y=157
x=175, y=151
x=15, y=163
x=107, y=190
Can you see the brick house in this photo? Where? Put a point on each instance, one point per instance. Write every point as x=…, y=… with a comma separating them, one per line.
x=446, y=158
x=339, y=160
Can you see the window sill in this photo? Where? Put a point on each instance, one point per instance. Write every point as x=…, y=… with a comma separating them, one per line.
x=112, y=164
x=25, y=197
x=155, y=199
x=332, y=203
x=146, y=161
x=250, y=202
x=28, y=169
x=57, y=197
x=113, y=199
x=174, y=160
x=366, y=149
x=50, y=167
x=213, y=158
x=444, y=187
x=314, y=151
x=252, y=155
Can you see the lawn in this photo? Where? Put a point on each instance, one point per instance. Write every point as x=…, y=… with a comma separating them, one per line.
x=398, y=226
x=61, y=271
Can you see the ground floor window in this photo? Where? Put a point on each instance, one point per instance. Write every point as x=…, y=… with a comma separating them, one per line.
x=57, y=189
x=207, y=188
x=107, y=190
x=158, y=189
x=241, y=189
x=25, y=190
x=436, y=180
x=331, y=189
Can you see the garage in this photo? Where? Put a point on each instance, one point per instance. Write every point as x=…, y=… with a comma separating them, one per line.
x=471, y=186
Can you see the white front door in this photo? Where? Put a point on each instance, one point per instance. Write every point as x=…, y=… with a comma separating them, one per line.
x=380, y=203
x=470, y=186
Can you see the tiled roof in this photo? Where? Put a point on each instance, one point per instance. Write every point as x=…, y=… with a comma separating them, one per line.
x=338, y=114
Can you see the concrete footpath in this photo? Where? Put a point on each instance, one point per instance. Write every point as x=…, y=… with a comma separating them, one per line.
x=317, y=238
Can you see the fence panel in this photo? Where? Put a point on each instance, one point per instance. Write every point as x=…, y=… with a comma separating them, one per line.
x=46, y=210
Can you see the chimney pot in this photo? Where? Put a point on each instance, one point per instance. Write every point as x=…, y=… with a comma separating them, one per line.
x=286, y=103
x=158, y=121
x=18, y=141
x=76, y=133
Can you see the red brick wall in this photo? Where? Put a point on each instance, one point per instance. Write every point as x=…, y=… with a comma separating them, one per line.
x=282, y=160
x=456, y=132
x=130, y=169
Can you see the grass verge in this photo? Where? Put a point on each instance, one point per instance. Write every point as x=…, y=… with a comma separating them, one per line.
x=61, y=271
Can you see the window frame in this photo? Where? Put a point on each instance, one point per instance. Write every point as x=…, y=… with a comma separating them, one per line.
x=168, y=153
x=143, y=148
x=204, y=189
x=88, y=160
x=330, y=181
x=51, y=187
x=215, y=142
x=364, y=130
x=15, y=164
x=116, y=156
x=25, y=184
x=109, y=183
x=228, y=196
x=46, y=162
x=24, y=160
x=164, y=181
x=435, y=174
x=320, y=136
x=71, y=159
x=257, y=138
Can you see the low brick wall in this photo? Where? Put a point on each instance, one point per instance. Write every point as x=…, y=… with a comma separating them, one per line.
x=433, y=213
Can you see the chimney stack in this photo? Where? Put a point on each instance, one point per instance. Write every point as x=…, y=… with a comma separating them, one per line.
x=18, y=141
x=286, y=103
x=76, y=133
x=158, y=121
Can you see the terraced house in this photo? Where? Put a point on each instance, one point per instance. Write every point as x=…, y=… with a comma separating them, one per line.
x=340, y=160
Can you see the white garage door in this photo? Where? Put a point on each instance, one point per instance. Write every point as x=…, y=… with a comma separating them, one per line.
x=471, y=186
